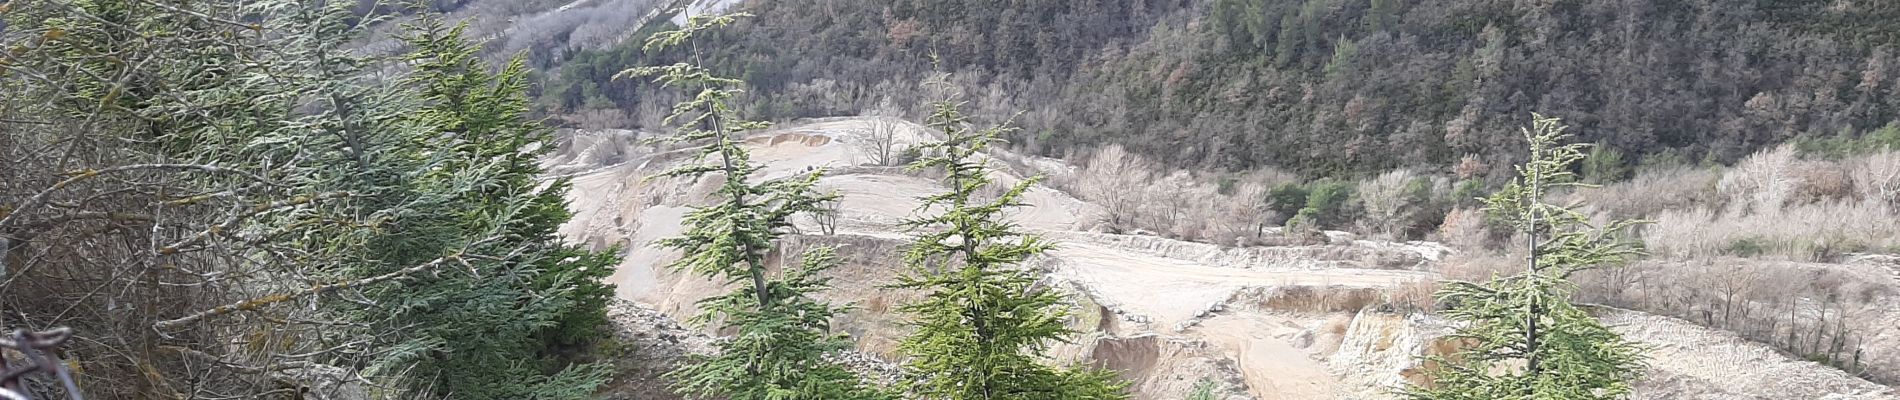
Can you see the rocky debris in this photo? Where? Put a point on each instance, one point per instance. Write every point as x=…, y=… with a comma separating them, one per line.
x=872, y=369
x=647, y=344
x=1212, y=310
x=1690, y=361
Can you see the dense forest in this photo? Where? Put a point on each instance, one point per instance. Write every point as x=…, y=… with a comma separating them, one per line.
x=1319, y=86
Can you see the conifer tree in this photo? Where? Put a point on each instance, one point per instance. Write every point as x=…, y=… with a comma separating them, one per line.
x=1523, y=338
x=984, y=322
x=780, y=345
x=526, y=295
x=322, y=216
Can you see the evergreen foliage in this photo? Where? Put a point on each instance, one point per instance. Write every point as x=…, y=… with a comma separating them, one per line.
x=1204, y=390
x=1242, y=84
x=1605, y=164
x=984, y=323
x=1523, y=339
x=780, y=339
x=527, y=296
x=391, y=204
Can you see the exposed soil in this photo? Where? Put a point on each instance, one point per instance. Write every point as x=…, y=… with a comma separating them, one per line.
x=1156, y=309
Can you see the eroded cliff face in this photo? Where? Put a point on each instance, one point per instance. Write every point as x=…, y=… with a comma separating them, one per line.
x=1384, y=350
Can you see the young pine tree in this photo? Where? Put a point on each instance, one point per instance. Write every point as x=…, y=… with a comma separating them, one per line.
x=984, y=322
x=781, y=337
x=1523, y=337
x=524, y=295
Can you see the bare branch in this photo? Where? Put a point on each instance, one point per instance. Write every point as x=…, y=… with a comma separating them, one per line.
x=255, y=303
x=40, y=198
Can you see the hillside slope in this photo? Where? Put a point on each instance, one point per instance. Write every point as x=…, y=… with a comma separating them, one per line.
x=1268, y=322
x=1320, y=86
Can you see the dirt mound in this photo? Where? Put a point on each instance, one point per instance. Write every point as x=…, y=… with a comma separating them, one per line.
x=1130, y=354
x=1380, y=351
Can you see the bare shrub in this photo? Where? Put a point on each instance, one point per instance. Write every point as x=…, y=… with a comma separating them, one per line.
x=1115, y=179
x=1877, y=176
x=1388, y=207
x=1174, y=204
x=1470, y=166
x=1413, y=297
x=1821, y=181
x=1773, y=205
x=1816, y=231
x=1822, y=312
x=1241, y=216
x=1480, y=266
x=1652, y=192
x=1764, y=180
x=1311, y=299
x=880, y=142
x=1465, y=230
x=826, y=217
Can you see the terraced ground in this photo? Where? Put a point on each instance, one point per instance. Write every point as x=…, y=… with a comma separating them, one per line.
x=1268, y=322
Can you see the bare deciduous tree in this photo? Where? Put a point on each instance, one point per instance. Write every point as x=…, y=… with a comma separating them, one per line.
x=1116, y=180
x=880, y=142
x=1387, y=206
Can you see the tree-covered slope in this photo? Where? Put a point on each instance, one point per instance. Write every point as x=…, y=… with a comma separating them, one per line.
x=1322, y=86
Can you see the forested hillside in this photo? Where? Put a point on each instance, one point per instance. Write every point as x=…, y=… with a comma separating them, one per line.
x=1319, y=86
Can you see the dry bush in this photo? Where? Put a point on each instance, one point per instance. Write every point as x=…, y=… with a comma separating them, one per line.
x=1480, y=266
x=1652, y=192
x=1765, y=180
x=1181, y=205
x=1771, y=204
x=1240, y=216
x=1465, y=230
x=1413, y=297
x=1877, y=176
x=1387, y=206
x=1112, y=178
x=1175, y=206
x=1817, y=231
x=1821, y=181
x=1821, y=312
x=880, y=143
x=1470, y=166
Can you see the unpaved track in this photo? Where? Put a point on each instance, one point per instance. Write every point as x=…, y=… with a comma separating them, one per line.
x=1274, y=369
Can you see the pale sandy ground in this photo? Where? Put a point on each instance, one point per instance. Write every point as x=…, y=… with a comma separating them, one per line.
x=1160, y=291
